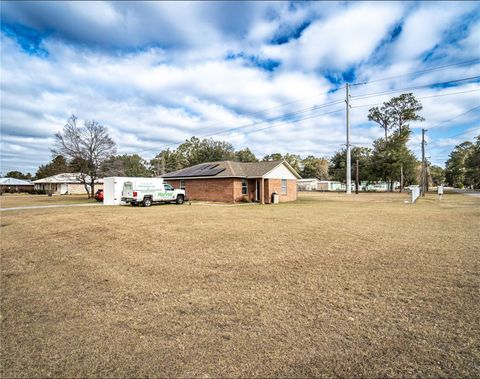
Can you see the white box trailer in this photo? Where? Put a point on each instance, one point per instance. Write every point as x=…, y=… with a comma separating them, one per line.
x=113, y=186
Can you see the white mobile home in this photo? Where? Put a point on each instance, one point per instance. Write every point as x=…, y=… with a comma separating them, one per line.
x=308, y=184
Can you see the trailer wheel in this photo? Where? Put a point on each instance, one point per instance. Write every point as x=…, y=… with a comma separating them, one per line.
x=180, y=199
x=147, y=202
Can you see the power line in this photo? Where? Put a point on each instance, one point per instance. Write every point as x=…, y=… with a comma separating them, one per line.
x=368, y=95
x=417, y=72
x=423, y=97
x=461, y=134
x=280, y=106
x=288, y=122
x=275, y=119
x=457, y=116
x=308, y=109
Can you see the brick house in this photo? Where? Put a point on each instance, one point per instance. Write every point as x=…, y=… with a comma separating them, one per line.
x=230, y=181
x=15, y=185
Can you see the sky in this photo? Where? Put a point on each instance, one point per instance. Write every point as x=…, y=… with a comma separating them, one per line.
x=269, y=76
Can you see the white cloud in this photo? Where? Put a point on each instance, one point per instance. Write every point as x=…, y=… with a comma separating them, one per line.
x=346, y=38
x=425, y=27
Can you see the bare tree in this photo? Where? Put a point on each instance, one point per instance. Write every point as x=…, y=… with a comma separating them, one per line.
x=86, y=148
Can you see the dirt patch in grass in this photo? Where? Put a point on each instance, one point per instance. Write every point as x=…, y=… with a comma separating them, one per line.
x=331, y=285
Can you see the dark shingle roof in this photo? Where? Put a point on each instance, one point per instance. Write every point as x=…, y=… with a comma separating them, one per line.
x=225, y=169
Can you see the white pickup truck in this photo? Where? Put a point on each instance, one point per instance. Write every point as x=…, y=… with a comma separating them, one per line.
x=147, y=191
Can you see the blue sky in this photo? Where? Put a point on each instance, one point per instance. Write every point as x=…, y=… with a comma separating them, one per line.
x=156, y=73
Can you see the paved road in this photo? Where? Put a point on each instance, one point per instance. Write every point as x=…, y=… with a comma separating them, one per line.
x=465, y=192
x=49, y=206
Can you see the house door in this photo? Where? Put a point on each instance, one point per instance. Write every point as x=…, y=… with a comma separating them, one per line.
x=257, y=190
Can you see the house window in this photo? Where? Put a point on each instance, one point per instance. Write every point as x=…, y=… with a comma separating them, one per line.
x=244, y=186
x=182, y=184
x=284, y=186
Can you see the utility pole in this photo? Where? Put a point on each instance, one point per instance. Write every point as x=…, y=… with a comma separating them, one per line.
x=401, y=177
x=163, y=164
x=357, y=183
x=349, y=163
x=423, y=163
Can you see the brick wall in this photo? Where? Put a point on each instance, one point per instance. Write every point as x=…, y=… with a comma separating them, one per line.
x=275, y=185
x=224, y=190
x=230, y=190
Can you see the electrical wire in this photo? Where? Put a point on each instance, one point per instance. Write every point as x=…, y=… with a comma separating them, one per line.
x=368, y=95
x=417, y=72
x=457, y=116
x=229, y=130
x=423, y=97
x=275, y=119
x=461, y=134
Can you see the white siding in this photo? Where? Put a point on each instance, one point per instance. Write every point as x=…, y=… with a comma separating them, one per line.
x=112, y=190
x=280, y=172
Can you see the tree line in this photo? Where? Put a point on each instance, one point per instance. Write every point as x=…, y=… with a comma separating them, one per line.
x=89, y=151
x=463, y=165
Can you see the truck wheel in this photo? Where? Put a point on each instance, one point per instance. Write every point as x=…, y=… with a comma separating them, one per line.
x=180, y=199
x=147, y=202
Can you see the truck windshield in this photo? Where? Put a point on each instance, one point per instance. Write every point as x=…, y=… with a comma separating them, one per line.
x=127, y=188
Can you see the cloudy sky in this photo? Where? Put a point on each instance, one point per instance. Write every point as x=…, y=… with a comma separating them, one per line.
x=268, y=76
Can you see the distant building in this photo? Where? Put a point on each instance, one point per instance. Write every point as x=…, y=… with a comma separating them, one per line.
x=63, y=184
x=311, y=184
x=15, y=185
x=332, y=185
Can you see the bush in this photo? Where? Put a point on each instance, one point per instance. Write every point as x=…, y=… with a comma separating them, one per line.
x=245, y=199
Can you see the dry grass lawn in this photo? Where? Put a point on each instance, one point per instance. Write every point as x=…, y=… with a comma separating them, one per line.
x=23, y=200
x=331, y=285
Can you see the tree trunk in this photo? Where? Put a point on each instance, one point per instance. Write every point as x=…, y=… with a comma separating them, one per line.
x=85, y=185
x=401, y=177
x=92, y=188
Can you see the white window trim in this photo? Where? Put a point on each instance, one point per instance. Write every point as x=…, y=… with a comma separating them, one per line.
x=286, y=186
x=184, y=184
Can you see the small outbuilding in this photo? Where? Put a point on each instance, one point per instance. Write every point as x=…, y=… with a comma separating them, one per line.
x=229, y=181
x=15, y=185
x=310, y=184
x=63, y=184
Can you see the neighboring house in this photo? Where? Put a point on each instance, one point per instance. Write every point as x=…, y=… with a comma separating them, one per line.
x=330, y=185
x=15, y=185
x=64, y=184
x=311, y=184
x=230, y=181
x=378, y=186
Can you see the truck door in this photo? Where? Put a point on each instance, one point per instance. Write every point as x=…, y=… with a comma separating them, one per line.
x=169, y=192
